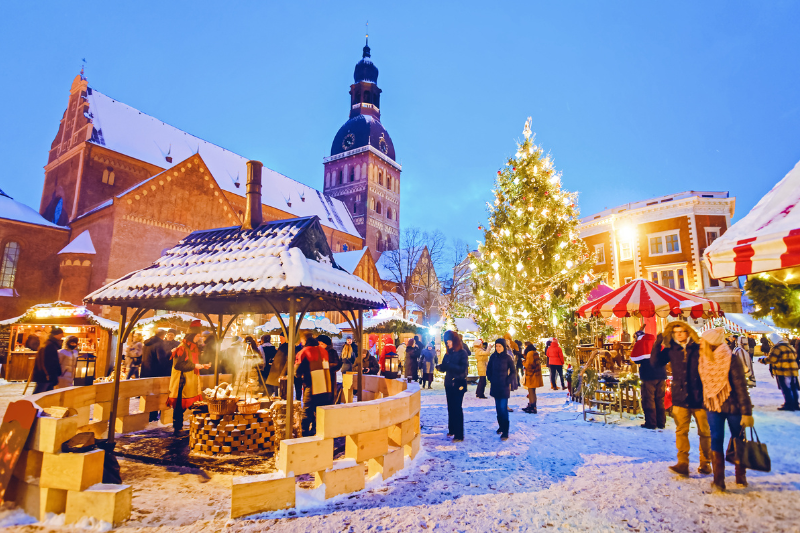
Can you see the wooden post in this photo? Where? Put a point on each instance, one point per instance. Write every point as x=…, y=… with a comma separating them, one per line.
x=216, y=350
x=123, y=314
x=292, y=341
x=359, y=333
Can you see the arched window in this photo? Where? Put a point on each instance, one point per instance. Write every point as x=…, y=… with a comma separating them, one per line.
x=372, y=203
x=108, y=176
x=58, y=210
x=389, y=213
x=353, y=174
x=341, y=176
x=355, y=207
x=389, y=182
x=8, y=269
x=378, y=208
x=344, y=247
x=380, y=177
x=379, y=242
x=366, y=97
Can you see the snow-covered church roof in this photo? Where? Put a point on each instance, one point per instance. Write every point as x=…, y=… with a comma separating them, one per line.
x=121, y=128
x=349, y=260
x=10, y=209
x=82, y=244
x=216, y=270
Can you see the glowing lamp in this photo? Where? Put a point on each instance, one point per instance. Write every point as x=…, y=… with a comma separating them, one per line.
x=84, y=370
x=392, y=365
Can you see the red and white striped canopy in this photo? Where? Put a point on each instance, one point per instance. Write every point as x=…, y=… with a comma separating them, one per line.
x=768, y=238
x=644, y=298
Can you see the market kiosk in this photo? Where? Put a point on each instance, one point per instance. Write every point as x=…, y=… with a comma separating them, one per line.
x=27, y=333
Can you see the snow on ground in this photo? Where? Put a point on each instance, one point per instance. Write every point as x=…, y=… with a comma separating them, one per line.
x=556, y=472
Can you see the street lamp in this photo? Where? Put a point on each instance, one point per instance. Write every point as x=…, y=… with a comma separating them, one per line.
x=84, y=370
x=392, y=365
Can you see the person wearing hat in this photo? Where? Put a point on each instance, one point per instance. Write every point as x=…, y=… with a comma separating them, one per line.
x=654, y=381
x=68, y=359
x=46, y=368
x=783, y=363
x=455, y=365
x=481, y=358
x=679, y=346
x=313, y=372
x=184, y=383
x=334, y=362
x=725, y=397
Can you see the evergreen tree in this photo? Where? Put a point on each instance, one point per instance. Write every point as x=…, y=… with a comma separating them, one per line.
x=532, y=270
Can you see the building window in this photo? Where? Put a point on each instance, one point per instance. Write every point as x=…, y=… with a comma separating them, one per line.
x=8, y=270
x=628, y=280
x=378, y=208
x=389, y=182
x=664, y=243
x=372, y=204
x=58, y=210
x=353, y=175
x=711, y=235
x=355, y=207
x=108, y=176
x=341, y=177
x=625, y=251
x=672, y=278
x=379, y=242
x=380, y=178
x=344, y=247
x=600, y=254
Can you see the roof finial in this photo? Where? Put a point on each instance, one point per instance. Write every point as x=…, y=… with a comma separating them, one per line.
x=83, y=66
x=366, y=46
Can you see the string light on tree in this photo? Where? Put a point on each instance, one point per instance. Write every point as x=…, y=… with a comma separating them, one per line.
x=531, y=271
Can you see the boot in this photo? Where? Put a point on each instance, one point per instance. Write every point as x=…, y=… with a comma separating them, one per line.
x=535, y=411
x=680, y=468
x=705, y=468
x=718, y=464
x=741, y=476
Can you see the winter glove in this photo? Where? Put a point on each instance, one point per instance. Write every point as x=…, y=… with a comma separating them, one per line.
x=747, y=421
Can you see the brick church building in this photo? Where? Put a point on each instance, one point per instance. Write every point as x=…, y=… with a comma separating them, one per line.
x=121, y=186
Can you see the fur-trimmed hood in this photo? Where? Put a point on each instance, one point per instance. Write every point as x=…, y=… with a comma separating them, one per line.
x=667, y=334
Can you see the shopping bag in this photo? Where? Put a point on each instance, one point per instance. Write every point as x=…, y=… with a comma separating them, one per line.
x=753, y=454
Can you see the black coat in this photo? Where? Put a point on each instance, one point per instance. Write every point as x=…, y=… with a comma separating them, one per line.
x=455, y=365
x=501, y=373
x=411, y=364
x=687, y=389
x=155, y=359
x=648, y=372
x=46, y=368
x=371, y=365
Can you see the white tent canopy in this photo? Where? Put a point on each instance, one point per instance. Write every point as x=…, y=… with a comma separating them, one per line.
x=768, y=238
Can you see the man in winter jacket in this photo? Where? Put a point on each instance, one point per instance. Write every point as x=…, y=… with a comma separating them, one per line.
x=46, y=368
x=154, y=360
x=654, y=382
x=679, y=346
x=783, y=361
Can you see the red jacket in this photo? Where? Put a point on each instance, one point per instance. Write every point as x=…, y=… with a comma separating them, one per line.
x=642, y=348
x=555, y=356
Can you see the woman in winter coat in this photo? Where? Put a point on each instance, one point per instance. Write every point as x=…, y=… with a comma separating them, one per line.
x=502, y=375
x=349, y=354
x=427, y=363
x=455, y=365
x=68, y=359
x=725, y=398
x=411, y=363
x=481, y=359
x=184, y=383
x=765, y=346
x=533, y=376
x=133, y=357
x=555, y=358
x=741, y=351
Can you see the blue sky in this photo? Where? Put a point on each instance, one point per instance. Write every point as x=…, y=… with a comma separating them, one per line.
x=633, y=99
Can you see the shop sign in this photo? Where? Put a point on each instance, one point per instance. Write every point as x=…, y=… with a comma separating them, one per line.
x=61, y=312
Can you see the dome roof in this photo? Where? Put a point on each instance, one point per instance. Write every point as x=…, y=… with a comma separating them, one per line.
x=365, y=69
x=360, y=131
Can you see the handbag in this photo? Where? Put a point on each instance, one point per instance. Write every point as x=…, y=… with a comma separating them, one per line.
x=752, y=454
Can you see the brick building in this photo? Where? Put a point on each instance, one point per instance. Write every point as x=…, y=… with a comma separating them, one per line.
x=662, y=239
x=129, y=186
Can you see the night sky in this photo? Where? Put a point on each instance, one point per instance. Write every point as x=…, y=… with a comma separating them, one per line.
x=632, y=99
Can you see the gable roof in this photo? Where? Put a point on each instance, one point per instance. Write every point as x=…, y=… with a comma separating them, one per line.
x=216, y=270
x=121, y=128
x=10, y=209
x=349, y=260
x=82, y=244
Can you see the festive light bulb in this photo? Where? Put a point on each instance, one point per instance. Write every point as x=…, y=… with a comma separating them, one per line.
x=480, y=292
x=557, y=257
x=574, y=287
x=563, y=244
x=555, y=320
x=473, y=266
x=496, y=265
x=544, y=212
x=554, y=178
x=586, y=278
x=493, y=309
x=516, y=181
x=497, y=277
x=519, y=212
x=512, y=331
x=569, y=264
x=519, y=267
x=547, y=296
x=564, y=271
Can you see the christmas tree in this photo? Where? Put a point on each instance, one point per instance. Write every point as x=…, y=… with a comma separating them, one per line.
x=532, y=270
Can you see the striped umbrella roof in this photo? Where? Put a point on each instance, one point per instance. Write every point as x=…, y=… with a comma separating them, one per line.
x=644, y=298
x=768, y=238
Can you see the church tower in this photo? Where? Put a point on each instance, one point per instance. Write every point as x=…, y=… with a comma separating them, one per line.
x=362, y=170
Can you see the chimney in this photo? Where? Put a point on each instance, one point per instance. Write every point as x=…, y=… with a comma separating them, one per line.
x=253, y=217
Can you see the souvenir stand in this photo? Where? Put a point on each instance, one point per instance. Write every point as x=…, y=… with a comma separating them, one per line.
x=25, y=334
x=283, y=266
x=604, y=388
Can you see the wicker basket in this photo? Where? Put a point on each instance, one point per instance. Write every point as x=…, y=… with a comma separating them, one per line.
x=222, y=406
x=248, y=408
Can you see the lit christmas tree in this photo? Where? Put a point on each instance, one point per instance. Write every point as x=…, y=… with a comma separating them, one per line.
x=533, y=270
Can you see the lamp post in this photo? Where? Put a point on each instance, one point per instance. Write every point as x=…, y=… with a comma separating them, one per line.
x=84, y=370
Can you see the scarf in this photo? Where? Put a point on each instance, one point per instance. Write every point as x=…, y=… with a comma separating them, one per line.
x=714, y=366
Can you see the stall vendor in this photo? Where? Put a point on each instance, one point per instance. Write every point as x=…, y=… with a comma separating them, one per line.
x=184, y=383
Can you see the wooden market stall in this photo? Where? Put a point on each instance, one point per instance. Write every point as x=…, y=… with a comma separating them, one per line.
x=24, y=335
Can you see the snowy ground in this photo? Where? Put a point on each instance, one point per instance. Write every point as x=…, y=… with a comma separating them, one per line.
x=556, y=472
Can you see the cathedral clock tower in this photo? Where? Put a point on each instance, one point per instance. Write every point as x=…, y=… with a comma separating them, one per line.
x=362, y=170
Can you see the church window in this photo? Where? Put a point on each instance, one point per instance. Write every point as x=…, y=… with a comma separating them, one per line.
x=355, y=207
x=366, y=97
x=379, y=242
x=389, y=213
x=341, y=176
x=353, y=175
x=108, y=176
x=344, y=247
x=58, y=210
x=8, y=270
x=380, y=177
x=378, y=208
x=389, y=182
x=372, y=203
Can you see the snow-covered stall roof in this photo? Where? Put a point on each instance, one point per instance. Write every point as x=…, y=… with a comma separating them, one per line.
x=768, y=238
x=126, y=130
x=318, y=323
x=82, y=244
x=173, y=317
x=231, y=270
x=10, y=209
x=349, y=260
x=463, y=324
